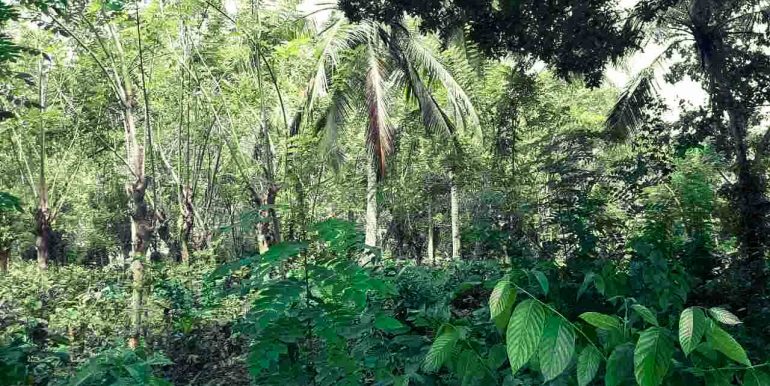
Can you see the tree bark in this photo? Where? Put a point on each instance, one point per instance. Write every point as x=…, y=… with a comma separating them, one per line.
x=137, y=271
x=5, y=255
x=370, y=226
x=187, y=222
x=455, y=214
x=268, y=232
x=42, y=215
x=431, y=252
x=42, y=234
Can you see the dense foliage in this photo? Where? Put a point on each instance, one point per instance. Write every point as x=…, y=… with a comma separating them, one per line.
x=388, y=193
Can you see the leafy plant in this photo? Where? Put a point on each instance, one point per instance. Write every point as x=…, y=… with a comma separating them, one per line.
x=120, y=366
x=633, y=345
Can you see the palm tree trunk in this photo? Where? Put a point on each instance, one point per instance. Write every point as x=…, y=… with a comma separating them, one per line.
x=370, y=226
x=455, y=214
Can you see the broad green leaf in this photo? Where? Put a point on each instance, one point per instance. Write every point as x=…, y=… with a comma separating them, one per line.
x=754, y=377
x=646, y=314
x=501, y=303
x=724, y=343
x=620, y=365
x=692, y=326
x=556, y=347
x=524, y=331
x=652, y=356
x=719, y=378
x=586, y=282
x=441, y=349
x=723, y=316
x=388, y=324
x=283, y=251
x=542, y=280
x=604, y=322
x=588, y=364
x=468, y=368
x=496, y=356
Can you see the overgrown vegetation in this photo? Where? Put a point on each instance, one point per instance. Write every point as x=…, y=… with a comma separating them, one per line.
x=392, y=193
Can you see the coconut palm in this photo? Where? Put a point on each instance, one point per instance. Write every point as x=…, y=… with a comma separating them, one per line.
x=382, y=58
x=722, y=44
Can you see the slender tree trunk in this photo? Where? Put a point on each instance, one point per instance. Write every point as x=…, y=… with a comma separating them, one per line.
x=455, y=214
x=370, y=226
x=431, y=252
x=42, y=216
x=5, y=255
x=268, y=232
x=42, y=234
x=141, y=221
x=187, y=222
x=137, y=300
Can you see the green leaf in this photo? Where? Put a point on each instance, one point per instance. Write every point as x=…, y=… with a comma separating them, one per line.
x=586, y=282
x=556, y=347
x=652, y=356
x=441, y=349
x=620, y=365
x=588, y=364
x=723, y=316
x=388, y=324
x=282, y=251
x=496, y=356
x=719, y=378
x=501, y=303
x=542, y=280
x=754, y=377
x=9, y=202
x=524, y=331
x=724, y=343
x=646, y=314
x=692, y=326
x=604, y=322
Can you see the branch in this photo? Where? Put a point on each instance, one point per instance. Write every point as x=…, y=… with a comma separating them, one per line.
x=99, y=63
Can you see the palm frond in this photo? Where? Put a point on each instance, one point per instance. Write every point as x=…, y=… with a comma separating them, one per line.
x=416, y=52
x=380, y=133
x=433, y=116
x=329, y=126
x=627, y=112
x=746, y=21
x=336, y=38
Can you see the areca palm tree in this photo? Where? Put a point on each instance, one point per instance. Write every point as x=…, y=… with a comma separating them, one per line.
x=722, y=44
x=369, y=62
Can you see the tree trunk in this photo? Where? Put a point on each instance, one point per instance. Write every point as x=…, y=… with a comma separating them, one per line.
x=42, y=235
x=268, y=232
x=141, y=222
x=455, y=214
x=431, y=252
x=187, y=214
x=5, y=255
x=370, y=226
x=43, y=215
x=137, y=300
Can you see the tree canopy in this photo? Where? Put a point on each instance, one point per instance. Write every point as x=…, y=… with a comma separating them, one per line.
x=387, y=192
